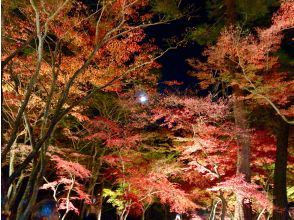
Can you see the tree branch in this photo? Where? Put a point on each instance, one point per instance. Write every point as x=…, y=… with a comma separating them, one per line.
x=58, y=116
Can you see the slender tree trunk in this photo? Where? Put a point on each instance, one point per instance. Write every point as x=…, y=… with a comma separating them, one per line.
x=100, y=202
x=33, y=198
x=213, y=210
x=24, y=202
x=95, y=165
x=122, y=215
x=224, y=206
x=126, y=215
x=11, y=169
x=6, y=208
x=280, y=187
x=16, y=192
x=243, y=209
x=30, y=196
x=145, y=208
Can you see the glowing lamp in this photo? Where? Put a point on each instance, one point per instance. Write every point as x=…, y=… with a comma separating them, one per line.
x=143, y=98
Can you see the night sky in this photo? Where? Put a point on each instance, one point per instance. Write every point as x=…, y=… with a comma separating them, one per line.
x=174, y=64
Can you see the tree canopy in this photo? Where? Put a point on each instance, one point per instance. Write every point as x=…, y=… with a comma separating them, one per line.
x=87, y=126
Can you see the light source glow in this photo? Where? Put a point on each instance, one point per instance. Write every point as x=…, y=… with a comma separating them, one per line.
x=143, y=98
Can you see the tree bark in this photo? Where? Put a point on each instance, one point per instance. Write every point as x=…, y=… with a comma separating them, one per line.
x=100, y=202
x=243, y=210
x=243, y=137
x=280, y=173
x=224, y=206
x=25, y=199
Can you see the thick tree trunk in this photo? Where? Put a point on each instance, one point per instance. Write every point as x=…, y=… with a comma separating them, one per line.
x=243, y=140
x=243, y=210
x=280, y=188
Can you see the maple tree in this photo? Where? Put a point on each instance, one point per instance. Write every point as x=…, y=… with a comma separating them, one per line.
x=83, y=120
x=137, y=183
x=68, y=172
x=203, y=134
x=246, y=63
x=116, y=140
x=112, y=138
x=140, y=183
x=79, y=50
x=253, y=62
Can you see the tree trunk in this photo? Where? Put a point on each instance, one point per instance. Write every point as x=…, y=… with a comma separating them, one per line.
x=96, y=166
x=243, y=139
x=25, y=199
x=100, y=202
x=280, y=188
x=213, y=210
x=124, y=214
x=32, y=200
x=165, y=212
x=224, y=206
x=243, y=210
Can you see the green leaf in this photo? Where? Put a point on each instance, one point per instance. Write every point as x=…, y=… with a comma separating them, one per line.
x=290, y=193
x=168, y=8
x=204, y=34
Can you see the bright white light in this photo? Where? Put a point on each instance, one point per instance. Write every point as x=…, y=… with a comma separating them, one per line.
x=143, y=99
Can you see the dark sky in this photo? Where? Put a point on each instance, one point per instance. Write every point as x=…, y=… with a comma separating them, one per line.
x=174, y=64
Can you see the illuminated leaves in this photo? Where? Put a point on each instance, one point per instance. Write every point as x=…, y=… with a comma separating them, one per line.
x=204, y=134
x=67, y=187
x=111, y=133
x=70, y=168
x=245, y=189
x=248, y=61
